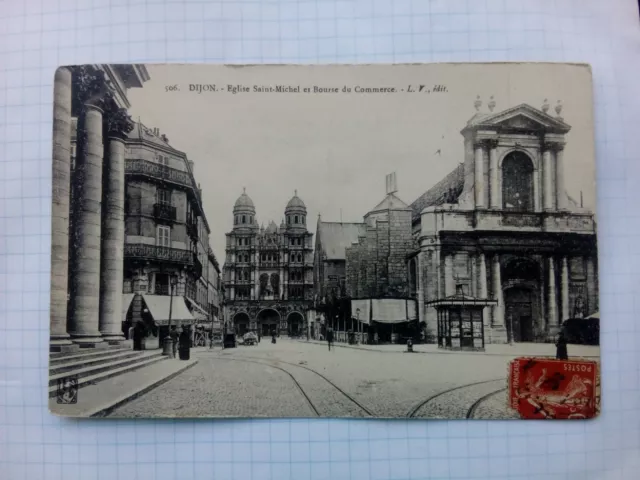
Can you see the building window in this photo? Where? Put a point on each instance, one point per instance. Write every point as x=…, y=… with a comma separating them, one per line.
x=303, y=219
x=289, y=220
x=163, y=196
x=163, y=160
x=517, y=182
x=296, y=219
x=163, y=236
x=244, y=219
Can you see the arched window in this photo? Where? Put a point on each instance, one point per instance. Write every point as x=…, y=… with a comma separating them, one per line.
x=296, y=219
x=235, y=220
x=303, y=219
x=289, y=220
x=244, y=219
x=517, y=182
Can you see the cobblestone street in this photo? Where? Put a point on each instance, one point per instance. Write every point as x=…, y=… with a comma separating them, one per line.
x=294, y=378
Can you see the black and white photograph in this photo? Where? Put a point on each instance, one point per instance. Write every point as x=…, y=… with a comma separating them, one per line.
x=382, y=241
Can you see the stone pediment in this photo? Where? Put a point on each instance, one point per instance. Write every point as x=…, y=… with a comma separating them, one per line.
x=521, y=117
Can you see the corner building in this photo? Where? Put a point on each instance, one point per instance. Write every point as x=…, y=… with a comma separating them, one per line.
x=268, y=272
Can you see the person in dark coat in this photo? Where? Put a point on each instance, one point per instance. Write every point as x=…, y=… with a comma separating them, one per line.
x=184, y=348
x=273, y=337
x=329, y=337
x=138, y=334
x=561, y=347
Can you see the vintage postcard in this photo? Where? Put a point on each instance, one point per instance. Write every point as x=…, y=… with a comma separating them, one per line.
x=396, y=241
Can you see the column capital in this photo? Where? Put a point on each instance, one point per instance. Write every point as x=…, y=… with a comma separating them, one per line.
x=492, y=143
x=119, y=123
x=91, y=87
x=552, y=146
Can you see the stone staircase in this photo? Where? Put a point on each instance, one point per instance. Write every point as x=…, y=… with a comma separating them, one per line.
x=93, y=366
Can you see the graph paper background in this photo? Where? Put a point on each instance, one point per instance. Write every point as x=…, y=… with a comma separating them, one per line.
x=37, y=36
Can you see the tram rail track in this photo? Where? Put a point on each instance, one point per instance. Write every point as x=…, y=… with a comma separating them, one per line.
x=412, y=413
x=270, y=363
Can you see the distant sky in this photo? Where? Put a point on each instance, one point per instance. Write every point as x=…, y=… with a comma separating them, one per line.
x=336, y=149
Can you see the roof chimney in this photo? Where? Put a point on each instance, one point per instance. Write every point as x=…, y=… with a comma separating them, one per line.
x=190, y=165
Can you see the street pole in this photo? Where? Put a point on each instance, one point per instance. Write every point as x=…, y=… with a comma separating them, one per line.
x=168, y=341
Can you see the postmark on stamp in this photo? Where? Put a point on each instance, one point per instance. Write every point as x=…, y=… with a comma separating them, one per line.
x=553, y=389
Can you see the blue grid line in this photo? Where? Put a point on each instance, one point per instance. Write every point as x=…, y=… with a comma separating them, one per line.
x=36, y=36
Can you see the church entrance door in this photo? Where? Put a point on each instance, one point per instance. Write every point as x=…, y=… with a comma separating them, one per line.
x=268, y=322
x=519, y=314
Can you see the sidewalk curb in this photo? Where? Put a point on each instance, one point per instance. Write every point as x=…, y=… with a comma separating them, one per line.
x=104, y=411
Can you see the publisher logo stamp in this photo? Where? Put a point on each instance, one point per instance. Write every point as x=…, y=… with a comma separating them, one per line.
x=553, y=389
x=67, y=390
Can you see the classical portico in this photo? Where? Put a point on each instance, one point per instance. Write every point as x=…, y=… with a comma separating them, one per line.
x=88, y=210
x=506, y=230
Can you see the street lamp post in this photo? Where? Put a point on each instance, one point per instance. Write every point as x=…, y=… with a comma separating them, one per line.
x=167, y=346
x=359, y=325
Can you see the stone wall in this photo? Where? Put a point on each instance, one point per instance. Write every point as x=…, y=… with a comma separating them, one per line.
x=377, y=265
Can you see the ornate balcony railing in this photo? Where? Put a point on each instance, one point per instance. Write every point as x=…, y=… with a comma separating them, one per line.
x=164, y=211
x=163, y=172
x=143, y=251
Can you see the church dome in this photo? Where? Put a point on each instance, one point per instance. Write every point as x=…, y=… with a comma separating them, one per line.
x=296, y=203
x=244, y=203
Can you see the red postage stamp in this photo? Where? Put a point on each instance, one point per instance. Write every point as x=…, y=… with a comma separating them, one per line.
x=541, y=388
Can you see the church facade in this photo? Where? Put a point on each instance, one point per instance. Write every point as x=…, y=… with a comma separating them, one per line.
x=268, y=272
x=502, y=227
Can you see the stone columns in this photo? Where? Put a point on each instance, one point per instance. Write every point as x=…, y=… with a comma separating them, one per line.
x=473, y=288
x=60, y=208
x=494, y=183
x=479, y=176
x=482, y=277
x=561, y=197
x=112, y=262
x=547, y=171
x=498, y=310
x=552, y=303
x=564, y=289
x=449, y=281
x=536, y=189
x=281, y=283
x=85, y=280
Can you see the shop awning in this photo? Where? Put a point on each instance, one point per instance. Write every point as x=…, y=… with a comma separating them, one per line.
x=384, y=310
x=361, y=310
x=198, y=313
x=158, y=306
x=393, y=310
x=127, y=298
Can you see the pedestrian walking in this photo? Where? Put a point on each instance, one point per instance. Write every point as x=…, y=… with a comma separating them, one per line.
x=185, y=344
x=561, y=347
x=174, y=339
x=329, y=337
